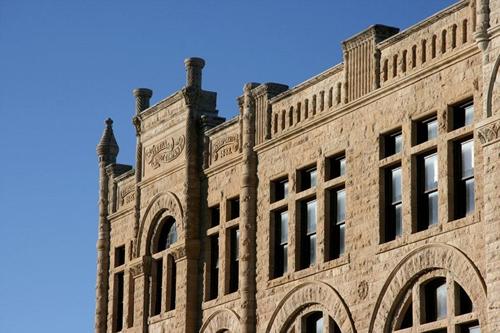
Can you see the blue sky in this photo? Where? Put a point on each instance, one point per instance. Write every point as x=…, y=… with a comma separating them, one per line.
x=67, y=65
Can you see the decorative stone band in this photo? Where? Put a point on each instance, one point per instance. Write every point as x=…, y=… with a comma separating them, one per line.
x=143, y=266
x=165, y=151
x=225, y=146
x=489, y=131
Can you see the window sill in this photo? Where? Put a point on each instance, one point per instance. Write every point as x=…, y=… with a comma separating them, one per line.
x=161, y=317
x=433, y=231
x=306, y=272
x=221, y=300
x=305, y=194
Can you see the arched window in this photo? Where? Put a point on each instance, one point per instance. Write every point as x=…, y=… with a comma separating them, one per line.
x=313, y=321
x=436, y=302
x=163, y=269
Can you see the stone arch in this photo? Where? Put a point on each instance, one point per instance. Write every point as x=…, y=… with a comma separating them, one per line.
x=491, y=87
x=420, y=261
x=308, y=294
x=224, y=319
x=165, y=203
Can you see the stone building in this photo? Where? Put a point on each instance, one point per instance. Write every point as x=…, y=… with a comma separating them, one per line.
x=365, y=199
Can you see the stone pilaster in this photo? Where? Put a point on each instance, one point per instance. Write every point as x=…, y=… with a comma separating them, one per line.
x=140, y=271
x=489, y=135
x=142, y=97
x=107, y=150
x=248, y=214
x=483, y=23
x=192, y=96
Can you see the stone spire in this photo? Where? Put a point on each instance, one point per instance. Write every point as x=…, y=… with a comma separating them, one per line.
x=107, y=149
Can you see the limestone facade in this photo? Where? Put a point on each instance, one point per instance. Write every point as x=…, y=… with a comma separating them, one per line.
x=311, y=209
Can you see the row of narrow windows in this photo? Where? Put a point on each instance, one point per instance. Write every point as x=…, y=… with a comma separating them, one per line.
x=303, y=111
x=423, y=50
x=426, y=191
x=230, y=233
x=162, y=280
x=425, y=186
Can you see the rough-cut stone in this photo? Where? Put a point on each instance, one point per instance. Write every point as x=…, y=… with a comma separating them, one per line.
x=189, y=160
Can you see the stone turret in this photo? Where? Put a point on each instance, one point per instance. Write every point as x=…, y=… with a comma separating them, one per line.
x=107, y=150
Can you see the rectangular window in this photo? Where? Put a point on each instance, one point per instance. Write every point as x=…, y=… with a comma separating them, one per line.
x=157, y=286
x=427, y=187
x=336, y=232
x=392, y=143
x=214, y=216
x=233, y=208
x=280, y=243
x=213, y=269
x=435, y=297
x=234, y=261
x=172, y=282
x=393, y=204
x=279, y=189
x=308, y=233
x=427, y=129
x=119, y=255
x=119, y=290
x=335, y=166
x=463, y=178
x=462, y=115
x=307, y=178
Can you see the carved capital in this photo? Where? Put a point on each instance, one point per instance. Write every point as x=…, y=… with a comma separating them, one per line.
x=137, y=124
x=141, y=268
x=489, y=132
x=191, y=95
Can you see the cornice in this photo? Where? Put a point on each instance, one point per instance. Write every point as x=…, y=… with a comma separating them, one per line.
x=371, y=97
x=310, y=82
x=424, y=23
x=223, y=125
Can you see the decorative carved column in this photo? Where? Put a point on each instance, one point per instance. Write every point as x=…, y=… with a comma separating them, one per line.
x=483, y=23
x=140, y=271
x=489, y=134
x=142, y=97
x=248, y=214
x=192, y=96
x=107, y=150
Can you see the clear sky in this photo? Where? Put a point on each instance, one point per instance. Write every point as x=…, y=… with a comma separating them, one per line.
x=67, y=65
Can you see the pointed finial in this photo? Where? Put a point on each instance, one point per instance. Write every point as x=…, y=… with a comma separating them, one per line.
x=107, y=149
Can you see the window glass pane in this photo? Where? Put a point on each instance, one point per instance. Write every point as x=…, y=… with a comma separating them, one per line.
x=341, y=238
x=431, y=172
x=441, y=301
x=398, y=217
x=342, y=166
x=398, y=142
x=311, y=217
x=319, y=325
x=433, y=208
x=172, y=235
x=396, y=185
x=312, y=249
x=340, y=206
x=467, y=159
x=285, y=189
x=284, y=228
x=469, y=195
x=285, y=257
x=469, y=114
x=432, y=129
x=312, y=175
